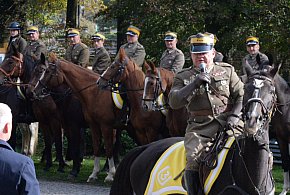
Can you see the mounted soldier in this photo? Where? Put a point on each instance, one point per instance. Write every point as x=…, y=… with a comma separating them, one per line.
x=77, y=52
x=15, y=39
x=35, y=46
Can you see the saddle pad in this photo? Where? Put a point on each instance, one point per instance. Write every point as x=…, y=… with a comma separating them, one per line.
x=172, y=163
x=161, y=103
x=214, y=173
x=19, y=91
x=118, y=101
x=169, y=165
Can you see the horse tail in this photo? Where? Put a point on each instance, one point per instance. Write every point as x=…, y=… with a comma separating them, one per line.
x=121, y=184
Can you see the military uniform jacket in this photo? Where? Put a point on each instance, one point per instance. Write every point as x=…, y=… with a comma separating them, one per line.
x=18, y=42
x=225, y=89
x=135, y=51
x=35, y=48
x=253, y=62
x=172, y=59
x=101, y=60
x=17, y=172
x=78, y=54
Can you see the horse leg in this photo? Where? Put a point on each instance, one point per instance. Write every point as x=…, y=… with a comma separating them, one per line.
x=33, y=127
x=96, y=135
x=25, y=137
x=58, y=146
x=75, y=150
x=96, y=170
x=47, y=136
x=284, y=150
x=108, y=135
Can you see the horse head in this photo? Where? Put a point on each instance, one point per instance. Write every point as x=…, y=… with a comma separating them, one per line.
x=47, y=76
x=11, y=67
x=117, y=72
x=259, y=100
x=40, y=67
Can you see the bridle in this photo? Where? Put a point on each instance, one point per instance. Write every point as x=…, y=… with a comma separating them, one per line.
x=157, y=90
x=17, y=66
x=111, y=82
x=255, y=100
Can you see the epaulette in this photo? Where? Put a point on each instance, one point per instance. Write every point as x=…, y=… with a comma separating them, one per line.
x=185, y=69
x=139, y=45
x=84, y=46
x=224, y=64
x=179, y=51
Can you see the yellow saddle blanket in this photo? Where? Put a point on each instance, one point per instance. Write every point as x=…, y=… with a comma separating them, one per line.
x=117, y=99
x=163, y=178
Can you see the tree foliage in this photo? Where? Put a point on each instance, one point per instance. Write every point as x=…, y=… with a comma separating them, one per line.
x=231, y=20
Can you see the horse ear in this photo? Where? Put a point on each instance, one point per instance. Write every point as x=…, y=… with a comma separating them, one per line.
x=146, y=66
x=52, y=57
x=122, y=54
x=248, y=68
x=275, y=70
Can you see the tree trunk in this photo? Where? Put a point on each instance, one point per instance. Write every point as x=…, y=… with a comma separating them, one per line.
x=71, y=13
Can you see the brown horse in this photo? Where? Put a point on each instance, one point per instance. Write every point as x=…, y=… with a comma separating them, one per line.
x=158, y=82
x=45, y=112
x=97, y=105
x=148, y=126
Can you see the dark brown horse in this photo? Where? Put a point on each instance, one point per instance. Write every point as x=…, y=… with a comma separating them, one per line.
x=247, y=168
x=69, y=107
x=148, y=126
x=97, y=105
x=158, y=82
x=45, y=112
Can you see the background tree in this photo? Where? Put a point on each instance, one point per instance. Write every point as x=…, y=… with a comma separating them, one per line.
x=231, y=20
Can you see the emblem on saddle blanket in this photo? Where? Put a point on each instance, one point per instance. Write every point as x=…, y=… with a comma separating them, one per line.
x=163, y=178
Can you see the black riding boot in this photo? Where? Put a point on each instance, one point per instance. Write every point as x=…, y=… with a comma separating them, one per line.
x=192, y=182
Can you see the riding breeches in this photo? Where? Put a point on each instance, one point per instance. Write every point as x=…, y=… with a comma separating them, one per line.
x=197, y=140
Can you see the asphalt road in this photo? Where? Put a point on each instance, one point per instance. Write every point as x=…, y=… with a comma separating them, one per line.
x=60, y=188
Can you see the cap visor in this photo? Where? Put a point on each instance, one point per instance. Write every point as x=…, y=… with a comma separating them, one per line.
x=130, y=33
x=72, y=35
x=252, y=43
x=201, y=48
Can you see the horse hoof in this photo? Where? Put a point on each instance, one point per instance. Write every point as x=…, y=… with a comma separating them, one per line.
x=60, y=170
x=90, y=179
x=74, y=173
x=109, y=179
x=71, y=177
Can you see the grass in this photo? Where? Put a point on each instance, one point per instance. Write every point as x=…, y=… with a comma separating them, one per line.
x=88, y=165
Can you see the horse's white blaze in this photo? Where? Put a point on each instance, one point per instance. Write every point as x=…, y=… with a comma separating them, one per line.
x=96, y=169
x=42, y=75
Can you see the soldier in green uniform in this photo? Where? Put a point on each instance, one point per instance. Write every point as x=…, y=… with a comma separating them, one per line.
x=172, y=58
x=15, y=39
x=77, y=53
x=133, y=48
x=35, y=46
x=253, y=48
x=212, y=93
x=102, y=58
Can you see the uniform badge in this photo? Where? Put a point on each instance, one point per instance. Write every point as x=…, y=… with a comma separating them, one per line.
x=223, y=82
x=218, y=73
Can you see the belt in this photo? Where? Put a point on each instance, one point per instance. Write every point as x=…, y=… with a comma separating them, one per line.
x=215, y=111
